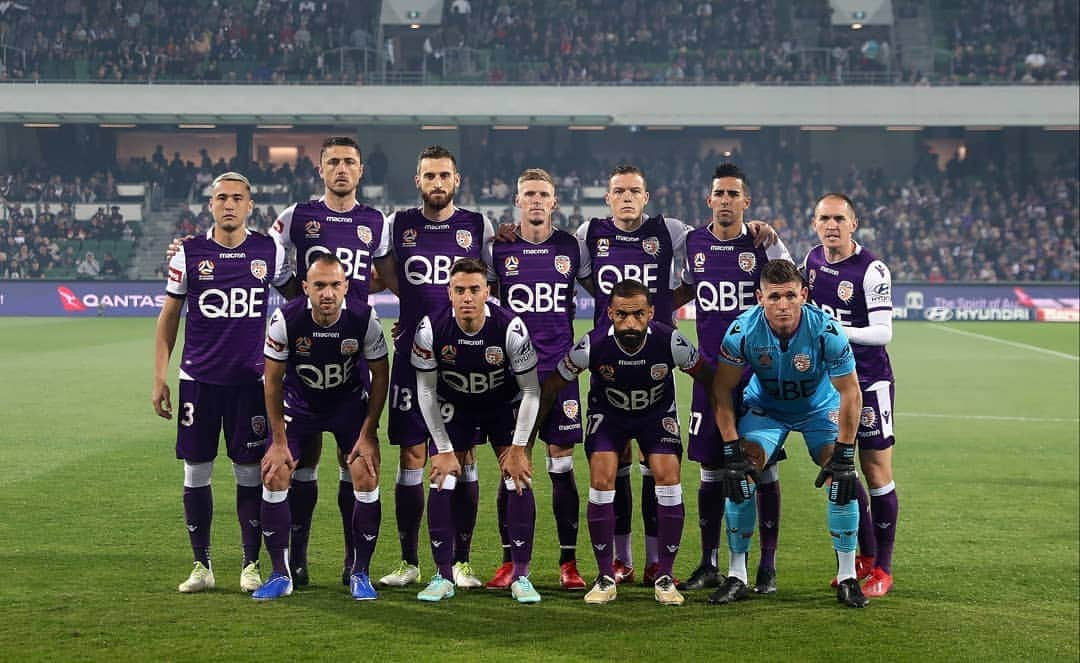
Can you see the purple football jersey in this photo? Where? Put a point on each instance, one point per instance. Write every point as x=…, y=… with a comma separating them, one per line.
x=651, y=254
x=475, y=371
x=425, y=251
x=536, y=281
x=356, y=237
x=725, y=274
x=227, y=290
x=849, y=291
x=325, y=366
x=636, y=384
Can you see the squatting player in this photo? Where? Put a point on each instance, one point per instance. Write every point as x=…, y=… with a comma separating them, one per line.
x=631, y=245
x=855, y=287
x=721, y=274
x=536, y=272
x=224, y=277
x=318, y=353
x=425, y=243
x=631, y=396
x=336, y=223
x=804, y=380
x=476, y=371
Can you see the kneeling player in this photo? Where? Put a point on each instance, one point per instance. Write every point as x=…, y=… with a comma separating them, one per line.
x=313, y=343
x=474, y=364
x=631, y=396
x=803, y=380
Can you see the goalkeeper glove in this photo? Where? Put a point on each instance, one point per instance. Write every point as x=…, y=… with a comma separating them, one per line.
x=841, y=467
x=733, y=482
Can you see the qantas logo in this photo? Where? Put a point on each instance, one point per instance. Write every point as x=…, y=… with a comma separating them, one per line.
x=69, y=300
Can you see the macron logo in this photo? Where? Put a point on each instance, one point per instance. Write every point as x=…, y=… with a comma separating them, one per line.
x=69, y=300
x=600, y=546
x=436, y=544
x=192, y=528
x=518, y=543
x=369, y=537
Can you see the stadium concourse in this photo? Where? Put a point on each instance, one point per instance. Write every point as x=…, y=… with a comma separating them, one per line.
x=552, y=41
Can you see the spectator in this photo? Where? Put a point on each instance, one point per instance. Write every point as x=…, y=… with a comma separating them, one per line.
x=88, y=267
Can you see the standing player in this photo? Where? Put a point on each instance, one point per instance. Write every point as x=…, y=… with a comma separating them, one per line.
x=318, y=350
x=335, y=223
x=631, y=396
x=425, y=242
x=224, y=277
x=804, y=380
x=630, y=245
x=536, y=274
x=855, y=288
x=721, y=274
x=476, y=371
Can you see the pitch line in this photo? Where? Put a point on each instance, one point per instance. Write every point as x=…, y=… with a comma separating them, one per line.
x=988, y=417
x=1025, y=346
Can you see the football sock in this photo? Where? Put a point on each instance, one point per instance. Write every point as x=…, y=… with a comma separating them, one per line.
x=409, y=510
x=198, y=514
x=768, y=507
x=500, y=512
x=740, y=518
x=276, y=525
x=303, y=494
x=248, y=506
x=566, y=505
x=885, y=508
x=737, y=566
x=845, y=565
x=710, y=514
x=623, y=550
x=466, y=505
x=624, y=502
x=670, y=517
x=601, y=517
x=843, y=527
x=648, y=513
x=364, y=527
x=867, y=542
x=441, y=528
x=520, y=523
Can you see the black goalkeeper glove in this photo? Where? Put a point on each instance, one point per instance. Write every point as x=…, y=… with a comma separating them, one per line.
x=733, y=483
x=841, y=467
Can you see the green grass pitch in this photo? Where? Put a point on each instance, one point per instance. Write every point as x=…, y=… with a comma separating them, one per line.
x=986, y=563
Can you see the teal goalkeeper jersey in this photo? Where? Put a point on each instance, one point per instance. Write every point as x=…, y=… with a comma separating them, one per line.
x=790, y=377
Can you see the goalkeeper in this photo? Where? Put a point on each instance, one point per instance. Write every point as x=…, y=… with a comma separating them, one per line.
x=803, y=380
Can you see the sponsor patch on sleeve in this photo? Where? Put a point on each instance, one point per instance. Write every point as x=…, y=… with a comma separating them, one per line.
x=175, y=275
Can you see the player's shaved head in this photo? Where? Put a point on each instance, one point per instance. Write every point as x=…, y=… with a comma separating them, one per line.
x=837, y=196
x=324, y=258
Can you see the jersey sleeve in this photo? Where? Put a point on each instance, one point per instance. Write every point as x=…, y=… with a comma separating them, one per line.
x=839, y=360
x=519, y=347
x=732, y=347
x=575, y=361
x=177, y=283
x=383, y=248
x=582, y=233
x=423, y=355
x=683, y=352
x=277, y=338
x=283, y=271
x=281, y=229
x=388, y=232
x=678, y=232
x=877, y=287
x=779, y=251
x=374, y=339
x=485, y=249
x=802, y=265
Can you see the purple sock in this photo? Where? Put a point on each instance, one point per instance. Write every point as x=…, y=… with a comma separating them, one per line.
x=601, y=519
x=867, y=542
x=500, y=513
x=711, y=513
x=669, y=525
x=302, y=498
x=409, y=509
x=345, y=506
x=768, y=508
x=364, y=529
x=248, y=506
x=466, y=504
x=648, y=504
x=520, y=523
x=199, y=513
x=276, y=520
x=624, y=501
x=441, y=529
x=885, y=508
x=567, y=506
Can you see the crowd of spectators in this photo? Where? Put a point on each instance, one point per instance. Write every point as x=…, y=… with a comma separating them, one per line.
x=45, y=239
x=532, y=41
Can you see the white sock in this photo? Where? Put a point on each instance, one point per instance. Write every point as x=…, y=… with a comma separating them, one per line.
x=737, y=566
x=845, y=565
